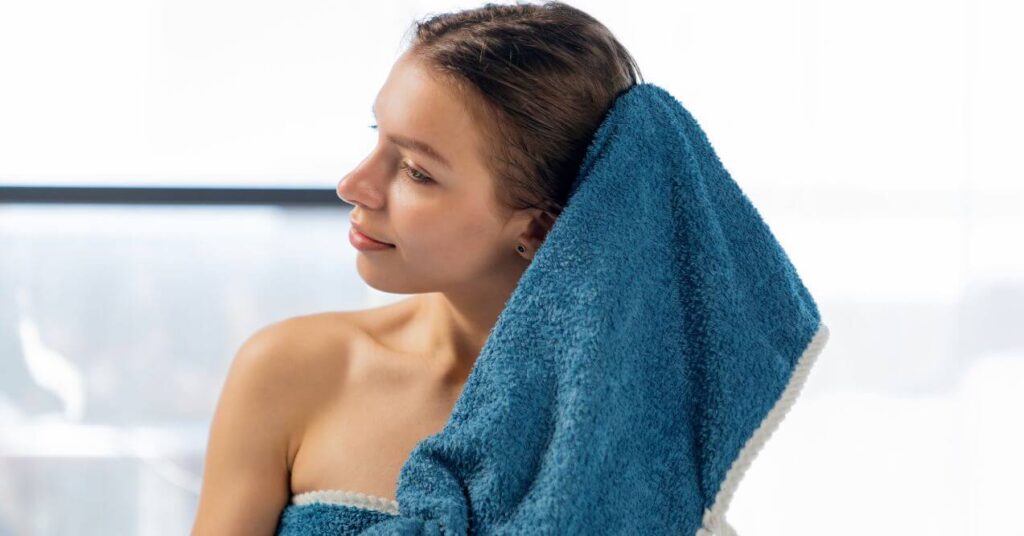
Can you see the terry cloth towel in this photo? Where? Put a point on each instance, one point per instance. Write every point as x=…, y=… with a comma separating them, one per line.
x=655, y=342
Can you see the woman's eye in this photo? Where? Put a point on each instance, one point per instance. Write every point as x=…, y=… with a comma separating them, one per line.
x=414, y=173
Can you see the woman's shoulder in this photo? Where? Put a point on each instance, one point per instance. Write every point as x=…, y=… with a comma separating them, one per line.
x=306, y=360
x=315, y=360
x=304, y=355
x=328, y=338
x=278, y=376
x=286, y=349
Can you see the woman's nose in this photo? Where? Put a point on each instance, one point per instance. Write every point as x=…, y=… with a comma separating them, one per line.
x=337, y=190
x=343, y=187
x=346, y=185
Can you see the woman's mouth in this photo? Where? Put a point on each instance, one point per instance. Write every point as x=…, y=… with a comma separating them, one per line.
x=365, y=243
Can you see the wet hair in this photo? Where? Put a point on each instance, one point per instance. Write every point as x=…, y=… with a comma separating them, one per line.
x=539, y=79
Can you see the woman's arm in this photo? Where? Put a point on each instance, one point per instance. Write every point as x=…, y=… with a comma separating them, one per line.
x=245, y=473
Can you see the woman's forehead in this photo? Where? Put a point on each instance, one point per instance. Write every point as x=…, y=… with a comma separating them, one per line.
x=414, y=107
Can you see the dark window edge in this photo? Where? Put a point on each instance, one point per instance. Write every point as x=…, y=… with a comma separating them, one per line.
x=169, y=196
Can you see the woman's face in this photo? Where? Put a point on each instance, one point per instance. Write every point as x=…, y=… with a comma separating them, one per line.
x=445, y=228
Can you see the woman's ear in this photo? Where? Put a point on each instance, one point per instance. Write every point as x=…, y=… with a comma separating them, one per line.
x=540, y=223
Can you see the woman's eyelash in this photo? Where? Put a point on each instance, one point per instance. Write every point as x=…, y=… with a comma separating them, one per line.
x=424, y=179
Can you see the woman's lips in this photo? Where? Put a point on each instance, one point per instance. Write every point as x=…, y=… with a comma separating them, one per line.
x=365, y=243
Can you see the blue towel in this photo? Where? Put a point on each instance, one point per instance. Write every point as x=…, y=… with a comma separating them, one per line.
x=653, y=345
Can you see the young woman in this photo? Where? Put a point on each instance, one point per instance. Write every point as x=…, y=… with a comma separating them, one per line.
x=482, y=124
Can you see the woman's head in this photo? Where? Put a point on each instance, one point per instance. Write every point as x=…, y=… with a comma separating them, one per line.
x=510, y=97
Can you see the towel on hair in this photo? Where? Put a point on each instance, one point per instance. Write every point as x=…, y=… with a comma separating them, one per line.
x=652, y=346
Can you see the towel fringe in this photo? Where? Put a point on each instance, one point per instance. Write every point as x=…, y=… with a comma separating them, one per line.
x=346, y=498
x=714, y=523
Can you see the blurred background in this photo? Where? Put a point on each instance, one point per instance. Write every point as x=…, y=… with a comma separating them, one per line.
x=167, y=175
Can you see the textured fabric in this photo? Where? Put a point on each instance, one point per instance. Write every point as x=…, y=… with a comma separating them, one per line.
x=656, y=339
x=326, y=519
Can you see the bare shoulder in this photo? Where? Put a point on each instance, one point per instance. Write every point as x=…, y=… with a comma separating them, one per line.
x=296, y=348
x=276, y=378
x=302, y=361
x=295, y=359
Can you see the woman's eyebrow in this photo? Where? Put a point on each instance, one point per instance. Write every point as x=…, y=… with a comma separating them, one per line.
x=415, y=145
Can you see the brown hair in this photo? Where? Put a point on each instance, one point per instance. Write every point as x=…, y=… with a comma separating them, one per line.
x=540, y=78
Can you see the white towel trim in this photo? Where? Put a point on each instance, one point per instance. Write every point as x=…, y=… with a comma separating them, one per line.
x=347, y=498
x=714, y=523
